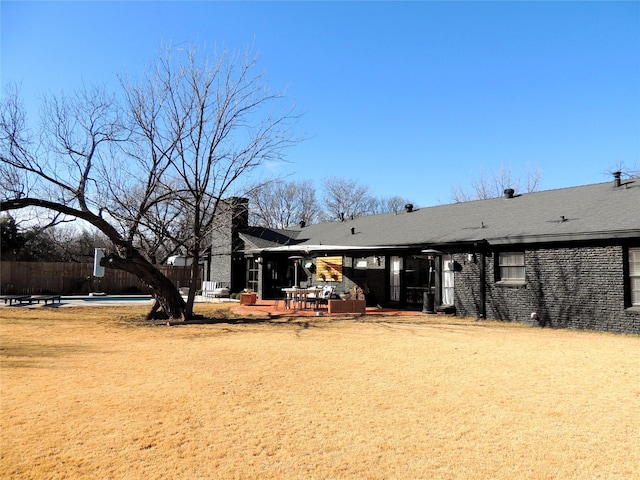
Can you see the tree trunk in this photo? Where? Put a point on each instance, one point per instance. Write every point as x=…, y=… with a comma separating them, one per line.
x=169, y=303
x=194, y=280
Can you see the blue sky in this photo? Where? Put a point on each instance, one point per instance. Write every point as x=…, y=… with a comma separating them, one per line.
x=408, y=98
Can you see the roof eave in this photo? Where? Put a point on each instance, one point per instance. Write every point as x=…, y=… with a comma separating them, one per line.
x=568, y=237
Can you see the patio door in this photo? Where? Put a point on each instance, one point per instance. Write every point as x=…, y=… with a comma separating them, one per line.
x=395, y=270
x=447, y=281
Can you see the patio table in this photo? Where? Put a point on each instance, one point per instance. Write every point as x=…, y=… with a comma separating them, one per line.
x=298, y=297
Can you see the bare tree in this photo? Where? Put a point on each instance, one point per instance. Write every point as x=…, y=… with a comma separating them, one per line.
x=58, y=243
x=493, y=185
x=391, y=204
x=206, y=123
x=183, y=139
x=68, y=170
x=625, y=170
x=17, y=142
x=281, y=204
x=162, y=232
x=343, y=199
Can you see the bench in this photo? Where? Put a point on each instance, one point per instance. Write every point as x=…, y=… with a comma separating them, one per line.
x=46, y=298
x=16, y=298
x=20, y=299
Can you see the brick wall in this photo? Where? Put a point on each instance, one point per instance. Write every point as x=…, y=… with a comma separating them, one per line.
x=232, y=216
x=467, y=286
x=566, y=287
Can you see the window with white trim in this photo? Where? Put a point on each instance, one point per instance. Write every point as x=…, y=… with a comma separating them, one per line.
x=252, y=273
x=634, y=275
x=511, y=266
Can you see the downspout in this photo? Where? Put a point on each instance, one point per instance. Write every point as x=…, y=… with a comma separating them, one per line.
x=438, y=280
x=207, y=273
x=482, y=313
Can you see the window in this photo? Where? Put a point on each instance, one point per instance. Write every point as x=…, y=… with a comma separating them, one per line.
x=394, y=278
x=360, y=263
x=634, y=275
x=511, y=266
x=448, y=278
x=252, y=274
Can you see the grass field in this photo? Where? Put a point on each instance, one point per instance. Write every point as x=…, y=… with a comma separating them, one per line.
x=99, y=393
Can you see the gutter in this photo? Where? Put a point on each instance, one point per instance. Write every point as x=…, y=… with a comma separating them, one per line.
x=309, y=249
x=567, y=237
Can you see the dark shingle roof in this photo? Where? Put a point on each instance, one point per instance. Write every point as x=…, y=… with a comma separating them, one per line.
x=599, y=211
x=260, y=237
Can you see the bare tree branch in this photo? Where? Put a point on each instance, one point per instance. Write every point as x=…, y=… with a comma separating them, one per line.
x=281, y=204
x=203, y=125
x=493, y=185
x=345, y=198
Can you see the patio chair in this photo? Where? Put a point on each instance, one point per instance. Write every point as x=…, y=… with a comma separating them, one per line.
x=312, y=298
x=325, y=296
x=214, y=290
x=279, y=296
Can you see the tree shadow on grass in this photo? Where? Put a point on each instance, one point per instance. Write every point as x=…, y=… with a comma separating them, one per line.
x=22, y=355
x=262, y=320
x=305, y=322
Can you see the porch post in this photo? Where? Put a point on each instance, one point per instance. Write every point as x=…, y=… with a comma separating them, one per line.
x=438, y=280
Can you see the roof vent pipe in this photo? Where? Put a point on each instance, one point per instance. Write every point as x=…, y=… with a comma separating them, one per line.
x=616, y=179
x=409, y=207
x=353, y=231
x=508, y=192
x=303, y=224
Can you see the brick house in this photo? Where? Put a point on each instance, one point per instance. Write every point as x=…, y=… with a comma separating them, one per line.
x=564, y=258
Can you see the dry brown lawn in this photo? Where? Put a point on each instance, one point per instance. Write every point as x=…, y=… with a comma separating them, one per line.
x=98, y=393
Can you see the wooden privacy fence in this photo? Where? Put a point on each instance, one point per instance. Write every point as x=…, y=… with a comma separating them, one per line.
x=77, y=278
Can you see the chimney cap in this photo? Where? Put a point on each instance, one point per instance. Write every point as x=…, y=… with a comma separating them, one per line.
x=616, y=178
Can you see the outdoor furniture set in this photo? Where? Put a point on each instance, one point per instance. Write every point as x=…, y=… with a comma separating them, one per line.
x=317, y=297
x=300, y=298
